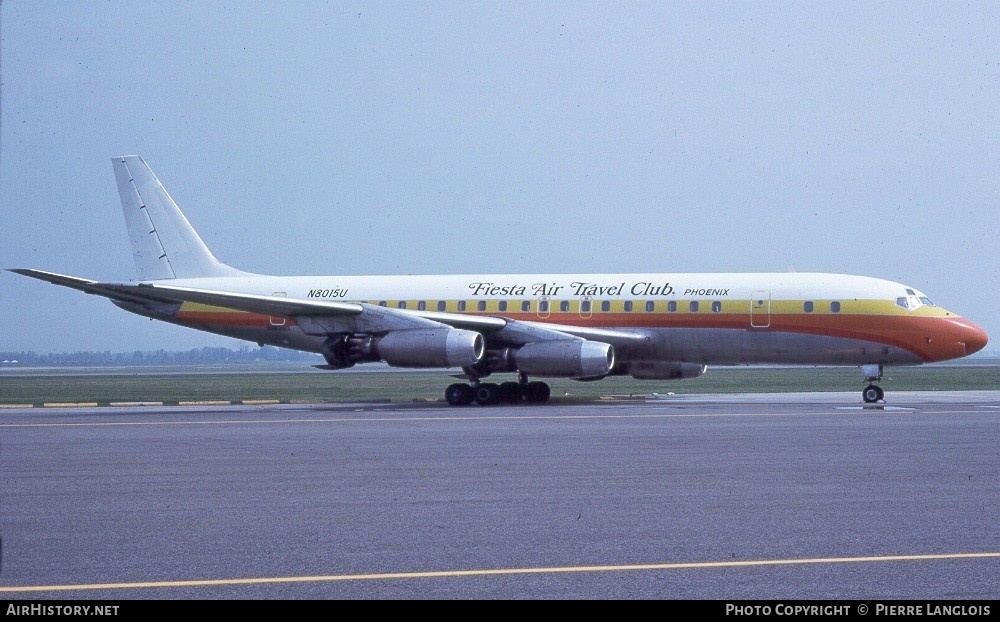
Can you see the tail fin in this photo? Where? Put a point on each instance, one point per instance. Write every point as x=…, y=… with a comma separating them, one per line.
x=164, y=244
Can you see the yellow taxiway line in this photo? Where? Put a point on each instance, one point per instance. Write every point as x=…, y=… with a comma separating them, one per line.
x=395, y=419
x=492, y=572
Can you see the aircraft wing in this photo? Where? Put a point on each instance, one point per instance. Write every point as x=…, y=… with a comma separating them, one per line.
x=377, y=318
x=616, y=337
x=503, y=329
x=518, y=332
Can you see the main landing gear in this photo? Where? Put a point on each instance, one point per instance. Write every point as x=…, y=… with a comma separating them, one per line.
x=489, y=394
x=872, y=393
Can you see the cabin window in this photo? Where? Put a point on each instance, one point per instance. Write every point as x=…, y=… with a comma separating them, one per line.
x=564, y=306
x=807, y=306
x=421, y=306
x=693, y=306
x=649, y=306
x=461, y=305
x=585, y=306
x=441, y=305
x=401, y=304
x=503, y=305
x=482, y=305
x=628, y=306
x=543, y=306
x=381, y=303
x=672, y=306
x=526, y=305
x=605, y=306
x=716, y=306
x=835, y=306
x=901, y=301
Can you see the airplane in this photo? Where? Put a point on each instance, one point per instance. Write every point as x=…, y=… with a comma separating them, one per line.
x=580, y=326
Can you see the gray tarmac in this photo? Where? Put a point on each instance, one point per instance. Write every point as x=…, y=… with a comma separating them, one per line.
x=763, y=496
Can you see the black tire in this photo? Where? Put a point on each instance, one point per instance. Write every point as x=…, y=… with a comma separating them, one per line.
x=537, y=392
x=872, y=394
x=487, y=394
x=510, y=392
x=881, y=393
x=459, y=394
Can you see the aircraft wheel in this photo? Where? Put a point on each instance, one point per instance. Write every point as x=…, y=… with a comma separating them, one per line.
x=488, y=394
x=872, y=393
x=510, y=392
x=459, y=394
x=537, y=392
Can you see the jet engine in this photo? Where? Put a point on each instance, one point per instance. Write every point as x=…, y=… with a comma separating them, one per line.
x=431, y=347
x=422, y=347
x=661, y=370
x=568, y=359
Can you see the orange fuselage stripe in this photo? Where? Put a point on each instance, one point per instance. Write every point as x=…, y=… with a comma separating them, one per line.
x=929, y=337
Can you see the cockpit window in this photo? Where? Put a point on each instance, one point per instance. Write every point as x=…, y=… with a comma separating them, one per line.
x=913, y=302
x=910, y=292
x=926, y=301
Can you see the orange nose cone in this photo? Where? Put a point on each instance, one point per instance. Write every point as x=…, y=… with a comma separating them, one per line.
x=975, y=338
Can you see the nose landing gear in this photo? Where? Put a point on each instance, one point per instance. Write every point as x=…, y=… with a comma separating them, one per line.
x=872, y=393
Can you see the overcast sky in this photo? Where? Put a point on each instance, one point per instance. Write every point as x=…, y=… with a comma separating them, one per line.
x=453, y=137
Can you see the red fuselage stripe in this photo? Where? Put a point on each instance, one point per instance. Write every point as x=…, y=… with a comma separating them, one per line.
x=930, y=338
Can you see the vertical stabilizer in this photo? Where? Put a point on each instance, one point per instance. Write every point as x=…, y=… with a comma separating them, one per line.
x=164, y=244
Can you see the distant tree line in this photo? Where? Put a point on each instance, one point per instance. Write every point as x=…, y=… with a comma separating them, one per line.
x=203, y=356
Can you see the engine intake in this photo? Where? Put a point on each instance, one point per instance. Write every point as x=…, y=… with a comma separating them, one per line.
x=567, y=359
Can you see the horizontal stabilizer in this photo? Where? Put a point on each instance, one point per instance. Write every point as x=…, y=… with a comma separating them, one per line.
x=88, y=286
x=57, y=279
x=265, y=305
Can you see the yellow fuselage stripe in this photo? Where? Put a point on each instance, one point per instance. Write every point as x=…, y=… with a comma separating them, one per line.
x=682, y=306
